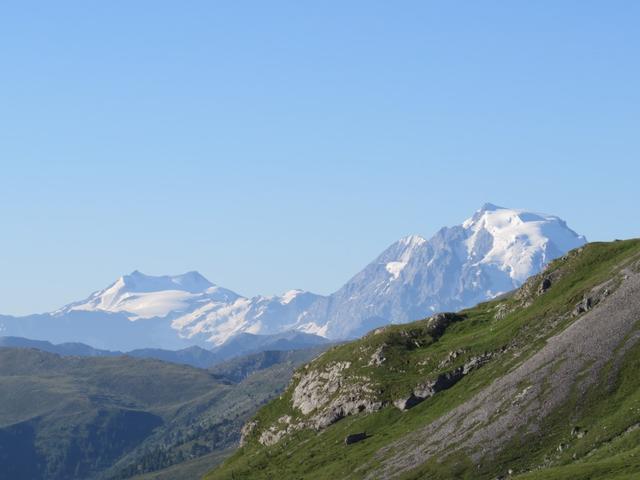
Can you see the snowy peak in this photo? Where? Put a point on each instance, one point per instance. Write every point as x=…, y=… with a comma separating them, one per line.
x=191, y=282
x=480, y=213
x=401, y=252
x=490, y=207
x=147, y=296
x=516, y=241
x=412, y=241
x=196, y=309
x=492, y=252
x=289, y=296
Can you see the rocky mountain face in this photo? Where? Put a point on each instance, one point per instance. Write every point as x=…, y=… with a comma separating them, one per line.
x=492, y=252
x=539, y=384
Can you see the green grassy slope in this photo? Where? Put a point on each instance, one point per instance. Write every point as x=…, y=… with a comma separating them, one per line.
x=500, y=336
x=189, y=469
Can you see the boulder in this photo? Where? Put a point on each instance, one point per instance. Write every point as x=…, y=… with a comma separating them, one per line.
x=437, y=324
x=378, y=357
x=355, y=438
x=544, y=285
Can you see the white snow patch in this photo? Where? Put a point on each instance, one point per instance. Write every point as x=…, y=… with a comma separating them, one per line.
x=289, y=296
x=408, y=246
x=516, y=241
x=394, y=268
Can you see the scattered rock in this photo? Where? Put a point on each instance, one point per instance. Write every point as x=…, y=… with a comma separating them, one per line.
x=476, y=362
x=378, y=357
x=450, y=358
x=246, y=431
x=539, y=284
x=444, y=381
x=408, y=402
x=593, y=298
x=271, y=436
x=578, y=432
x=583, y=306
x=502, y=310
x=285, y=419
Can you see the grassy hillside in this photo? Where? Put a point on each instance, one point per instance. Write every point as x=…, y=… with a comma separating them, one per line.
x=118, y=417
x=541, y=384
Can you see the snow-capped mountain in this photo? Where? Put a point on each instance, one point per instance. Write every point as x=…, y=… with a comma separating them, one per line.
x=144, y=296
x=192, y=304
x=492, y=252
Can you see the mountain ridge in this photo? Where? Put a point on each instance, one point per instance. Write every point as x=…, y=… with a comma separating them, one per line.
x=488, y=254
x=194, y=356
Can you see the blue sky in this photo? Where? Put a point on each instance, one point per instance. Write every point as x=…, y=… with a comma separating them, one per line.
x=277, y=145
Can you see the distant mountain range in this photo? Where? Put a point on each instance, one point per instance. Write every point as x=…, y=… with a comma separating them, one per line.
x=492, y=252
x=239, y=346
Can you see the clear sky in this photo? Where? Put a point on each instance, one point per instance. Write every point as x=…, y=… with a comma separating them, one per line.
x=277, y=145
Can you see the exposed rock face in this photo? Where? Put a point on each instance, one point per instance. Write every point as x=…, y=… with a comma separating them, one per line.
x=442, y=382
x=322, y=395
x=246, y=431
x=328, y=395
x=544, y=285
x=450, y=358
x=316, y=387
x=437, y=324
x=355, y=399
x=378, y=358
x=274, y=433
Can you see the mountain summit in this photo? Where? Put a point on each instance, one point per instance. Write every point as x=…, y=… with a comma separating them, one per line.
x=145, y=296
x=490, y=253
